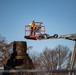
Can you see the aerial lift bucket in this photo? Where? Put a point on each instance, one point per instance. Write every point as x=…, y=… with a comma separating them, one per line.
x=39, y=30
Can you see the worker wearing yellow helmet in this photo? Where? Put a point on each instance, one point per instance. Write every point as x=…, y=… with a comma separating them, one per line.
x=33, y=27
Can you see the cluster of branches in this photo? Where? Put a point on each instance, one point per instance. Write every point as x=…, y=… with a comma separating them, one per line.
x=4, y=50
x=49, y=59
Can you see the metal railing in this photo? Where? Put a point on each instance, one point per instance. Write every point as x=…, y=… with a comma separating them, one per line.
x=38, y=72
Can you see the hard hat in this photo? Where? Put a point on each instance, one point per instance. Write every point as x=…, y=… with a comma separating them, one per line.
x=33, y=21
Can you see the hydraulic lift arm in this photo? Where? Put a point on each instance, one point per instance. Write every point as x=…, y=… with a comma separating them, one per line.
x=56, y=36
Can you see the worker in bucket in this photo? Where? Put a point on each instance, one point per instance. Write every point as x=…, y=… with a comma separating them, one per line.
x=33, y=27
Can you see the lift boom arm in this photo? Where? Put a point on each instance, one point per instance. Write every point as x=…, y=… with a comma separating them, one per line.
x=67, y=36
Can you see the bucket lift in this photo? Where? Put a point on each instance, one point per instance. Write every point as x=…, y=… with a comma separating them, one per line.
x=40, y=35
x=40, y=29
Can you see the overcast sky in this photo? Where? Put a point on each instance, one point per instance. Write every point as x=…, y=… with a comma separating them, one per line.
x=59, y=17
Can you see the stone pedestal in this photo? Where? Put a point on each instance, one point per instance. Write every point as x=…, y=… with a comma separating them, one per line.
x=19, y=58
